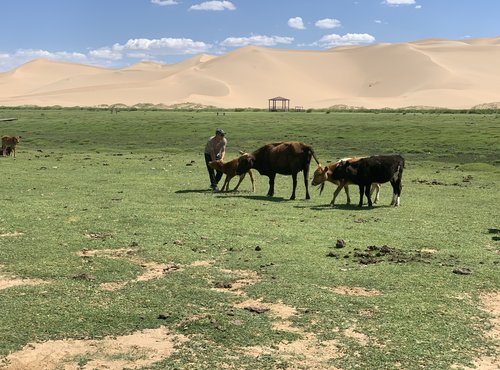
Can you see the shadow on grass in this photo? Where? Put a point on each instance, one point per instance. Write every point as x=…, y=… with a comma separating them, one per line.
x=187, y=191
x=345, y=207
x=251, y=197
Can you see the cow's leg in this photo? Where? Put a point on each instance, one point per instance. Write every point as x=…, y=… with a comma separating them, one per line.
x=239, y=182
x=270, y=193
x=396, y=189
x=368, y=194
x=294, y=186
x=306, y=182
x=4, y=151
x=337, y=191
x=253, y=180
x=361, y=192
x=375, y=189
x=225, y=186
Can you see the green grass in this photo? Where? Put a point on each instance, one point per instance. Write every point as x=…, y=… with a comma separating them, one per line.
x=139, y=180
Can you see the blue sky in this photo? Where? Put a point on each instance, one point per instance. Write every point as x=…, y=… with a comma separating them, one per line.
x=117, y=33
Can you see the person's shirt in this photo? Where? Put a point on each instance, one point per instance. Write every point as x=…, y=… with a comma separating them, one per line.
x=213, y=147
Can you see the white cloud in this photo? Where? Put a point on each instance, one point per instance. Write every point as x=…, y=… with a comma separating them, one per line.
x=147, y=48
x=214, y=5
x=164, y=2
x=297, y=23
x=418, y=7
x=399, y=2
x=258, y=40
x=328, y=23
x=333, y=40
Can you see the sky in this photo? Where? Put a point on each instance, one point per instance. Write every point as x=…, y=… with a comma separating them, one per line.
x=119, y=33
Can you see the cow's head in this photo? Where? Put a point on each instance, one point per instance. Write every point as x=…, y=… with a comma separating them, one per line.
x=216, y=164
x=245, y=163
x=320, y=175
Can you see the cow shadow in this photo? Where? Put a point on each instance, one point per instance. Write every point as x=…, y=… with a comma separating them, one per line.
x=345, y=207
x=188, y=191
x=252, y=197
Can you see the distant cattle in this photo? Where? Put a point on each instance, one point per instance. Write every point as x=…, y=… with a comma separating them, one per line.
x=369, y=170
x=229, y=168
x=323, y=174
x=10, y=142
x=285, y=158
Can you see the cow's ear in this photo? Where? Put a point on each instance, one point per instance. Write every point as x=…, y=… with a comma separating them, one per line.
x=325, y=169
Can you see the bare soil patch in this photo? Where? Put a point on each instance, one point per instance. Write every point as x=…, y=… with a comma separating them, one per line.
x=11, y=281
x=136, y=350
x=152, y=270
x=356, y=291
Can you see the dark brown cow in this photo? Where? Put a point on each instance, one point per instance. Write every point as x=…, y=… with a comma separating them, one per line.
x=285, y=158
x=10, y=142
x=369, y=170
x=229, y=168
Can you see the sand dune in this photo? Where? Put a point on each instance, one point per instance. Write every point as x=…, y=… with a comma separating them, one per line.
x=432, y=72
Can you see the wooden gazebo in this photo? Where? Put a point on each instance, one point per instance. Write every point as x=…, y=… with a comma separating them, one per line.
x=279, y=104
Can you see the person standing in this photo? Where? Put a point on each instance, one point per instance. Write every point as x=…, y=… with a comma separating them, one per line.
x=214, y=150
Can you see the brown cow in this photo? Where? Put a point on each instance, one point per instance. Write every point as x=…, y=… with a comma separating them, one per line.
x=9, y=142
x=285, y=158
x=323, y=174
x=229, y=168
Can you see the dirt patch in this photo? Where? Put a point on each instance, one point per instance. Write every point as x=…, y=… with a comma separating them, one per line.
x=11, y=234
x=375, y=254
x=98, y=235
x=12, y=281
x=137, y=350
x=357, y=335
x=356, y=291
x=491, y=304
x=244, y=278
x=152, y=270
x=6, y=282
x=306, y=353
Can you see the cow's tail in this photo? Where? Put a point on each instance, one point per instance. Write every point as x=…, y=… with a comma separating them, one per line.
x=314, y=155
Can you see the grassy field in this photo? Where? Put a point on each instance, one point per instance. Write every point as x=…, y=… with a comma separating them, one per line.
x=109, y=232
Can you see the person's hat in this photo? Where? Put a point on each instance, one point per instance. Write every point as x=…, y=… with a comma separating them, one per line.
x=220, y=131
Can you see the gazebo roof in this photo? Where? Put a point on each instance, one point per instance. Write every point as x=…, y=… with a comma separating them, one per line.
x=279, y=98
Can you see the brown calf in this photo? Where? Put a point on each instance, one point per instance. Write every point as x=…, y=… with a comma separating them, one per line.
x=9, y=142
x=229, y=168
x=323, y=174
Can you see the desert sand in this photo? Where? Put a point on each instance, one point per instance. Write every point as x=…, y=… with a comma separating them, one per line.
x=427, y=73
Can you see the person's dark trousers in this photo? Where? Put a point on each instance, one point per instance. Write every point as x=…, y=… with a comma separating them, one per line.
x=215, y=176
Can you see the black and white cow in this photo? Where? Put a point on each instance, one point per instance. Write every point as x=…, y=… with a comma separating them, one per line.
x=369, y=170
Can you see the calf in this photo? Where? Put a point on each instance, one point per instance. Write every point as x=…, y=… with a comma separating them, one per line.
x=285, y=158
x=377, y=169
x=323, y=174
x=9, y=142
x=229, y=168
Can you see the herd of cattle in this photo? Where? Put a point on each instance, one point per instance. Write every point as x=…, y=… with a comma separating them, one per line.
x=289, y=158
